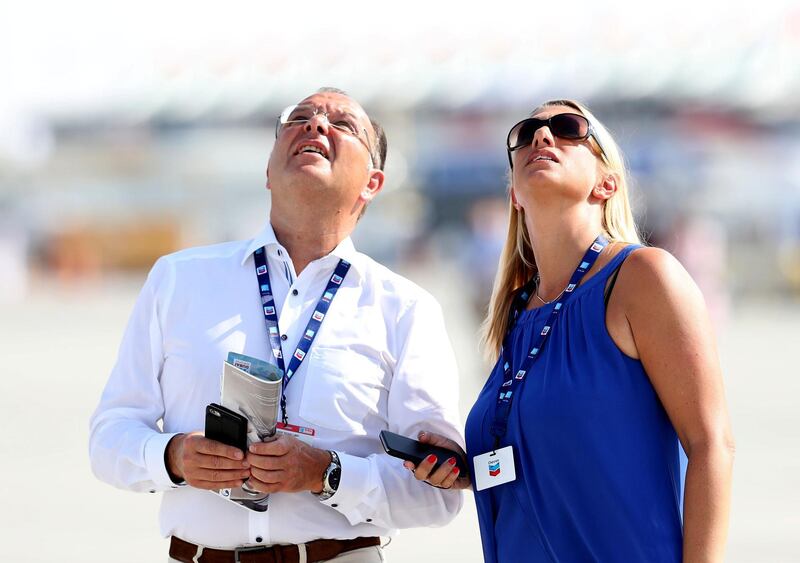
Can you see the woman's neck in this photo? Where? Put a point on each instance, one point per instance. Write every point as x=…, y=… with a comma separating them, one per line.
x=559, y=242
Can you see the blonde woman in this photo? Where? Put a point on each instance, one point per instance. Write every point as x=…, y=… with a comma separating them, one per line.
x=606, y=360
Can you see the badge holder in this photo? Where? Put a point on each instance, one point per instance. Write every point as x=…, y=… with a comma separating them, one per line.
x=494, y=468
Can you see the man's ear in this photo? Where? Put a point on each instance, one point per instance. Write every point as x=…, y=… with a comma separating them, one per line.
x=607, y=187
x=374, y=185
x=268, y=186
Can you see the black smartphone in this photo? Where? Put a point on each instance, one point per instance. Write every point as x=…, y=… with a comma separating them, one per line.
x=226, y=426
x=415, y=451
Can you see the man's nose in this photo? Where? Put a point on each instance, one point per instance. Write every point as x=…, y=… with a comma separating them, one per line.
x=543, y=137
x=318, y=123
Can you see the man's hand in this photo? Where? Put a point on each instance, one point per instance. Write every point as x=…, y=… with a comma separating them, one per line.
x=286, y=465
x=206, y=464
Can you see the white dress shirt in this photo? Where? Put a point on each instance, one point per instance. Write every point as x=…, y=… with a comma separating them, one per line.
x=381, y=360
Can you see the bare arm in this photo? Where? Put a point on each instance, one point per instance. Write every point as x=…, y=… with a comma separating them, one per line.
x=673, y=337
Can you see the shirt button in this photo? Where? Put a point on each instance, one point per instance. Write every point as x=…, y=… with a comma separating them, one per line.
x=294, y=292
x=334, y=505
x=369, y=519
x=284, y=337
x=259, y=539
x=280, y=252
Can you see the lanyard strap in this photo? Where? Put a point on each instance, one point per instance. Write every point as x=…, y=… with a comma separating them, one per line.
x=512, y=382
x=271, y=319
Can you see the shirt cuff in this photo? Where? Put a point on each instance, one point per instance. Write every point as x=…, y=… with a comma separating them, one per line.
x=355, y=485
x=154, y=451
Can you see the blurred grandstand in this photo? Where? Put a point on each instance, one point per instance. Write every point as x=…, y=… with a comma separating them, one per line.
x=116, y=147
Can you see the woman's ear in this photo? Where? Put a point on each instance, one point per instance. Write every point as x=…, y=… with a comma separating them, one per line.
x=607, y=186
x=514, y=201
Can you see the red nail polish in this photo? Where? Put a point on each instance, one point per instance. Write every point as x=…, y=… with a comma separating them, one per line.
x=451, y=461
x=431, y=459
x=456, y=471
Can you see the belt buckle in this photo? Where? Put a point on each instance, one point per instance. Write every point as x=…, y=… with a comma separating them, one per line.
x=249, y=549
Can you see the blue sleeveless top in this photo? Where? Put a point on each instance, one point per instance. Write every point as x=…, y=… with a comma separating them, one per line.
x=596, y=457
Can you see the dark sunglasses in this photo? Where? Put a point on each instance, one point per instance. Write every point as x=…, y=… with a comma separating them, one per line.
x=564, y=125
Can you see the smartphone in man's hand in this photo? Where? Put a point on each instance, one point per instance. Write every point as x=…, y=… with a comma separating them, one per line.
x=226, y=426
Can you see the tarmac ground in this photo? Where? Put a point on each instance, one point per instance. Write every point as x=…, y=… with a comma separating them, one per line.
x=55, y=510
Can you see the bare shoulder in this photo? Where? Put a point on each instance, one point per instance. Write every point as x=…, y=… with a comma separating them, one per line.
x=652, y=271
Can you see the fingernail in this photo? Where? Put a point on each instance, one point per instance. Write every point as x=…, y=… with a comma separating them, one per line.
x=245, y=464
x=421, y=435
x=451, y=461
x=239, y=454
x=456, y=471
x=431, y=458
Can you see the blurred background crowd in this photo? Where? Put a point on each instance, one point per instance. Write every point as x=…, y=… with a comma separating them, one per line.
x=127, y=133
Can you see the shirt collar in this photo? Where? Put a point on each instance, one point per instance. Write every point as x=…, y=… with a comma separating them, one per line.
x=345, y=250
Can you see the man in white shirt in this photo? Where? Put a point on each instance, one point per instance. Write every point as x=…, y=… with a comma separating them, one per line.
x=379, y=359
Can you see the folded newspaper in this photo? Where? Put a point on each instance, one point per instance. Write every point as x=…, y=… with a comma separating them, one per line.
x=251, y=387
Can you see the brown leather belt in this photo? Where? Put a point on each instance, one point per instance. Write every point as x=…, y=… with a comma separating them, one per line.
x=317, y=550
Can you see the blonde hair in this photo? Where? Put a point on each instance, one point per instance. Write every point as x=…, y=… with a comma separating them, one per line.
x=517, y=261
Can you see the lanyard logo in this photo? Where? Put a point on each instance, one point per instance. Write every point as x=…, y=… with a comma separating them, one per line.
x=312, y=328
x=498, y=428
x=494, y=467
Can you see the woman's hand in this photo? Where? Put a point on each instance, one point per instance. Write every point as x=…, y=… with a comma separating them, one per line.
x=447, y=476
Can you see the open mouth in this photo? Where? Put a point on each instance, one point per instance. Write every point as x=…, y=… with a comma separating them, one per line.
x=312, y=147
x=542, y=157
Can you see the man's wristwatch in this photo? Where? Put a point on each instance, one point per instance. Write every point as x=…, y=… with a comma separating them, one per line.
x=331, y=477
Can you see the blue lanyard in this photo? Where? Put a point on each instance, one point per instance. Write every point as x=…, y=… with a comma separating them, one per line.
x=271, y=318
x=512, y=381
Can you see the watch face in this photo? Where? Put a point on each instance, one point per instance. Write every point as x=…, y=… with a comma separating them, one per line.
x=334, y=477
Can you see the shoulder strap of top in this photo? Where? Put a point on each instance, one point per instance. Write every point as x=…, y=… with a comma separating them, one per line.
x=619, y=259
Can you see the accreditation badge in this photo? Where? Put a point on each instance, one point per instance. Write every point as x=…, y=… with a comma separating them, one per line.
x=494, y=468
x=303, y=433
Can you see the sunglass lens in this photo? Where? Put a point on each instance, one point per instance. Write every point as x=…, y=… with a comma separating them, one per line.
x=570, y=126
x=523, y=133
